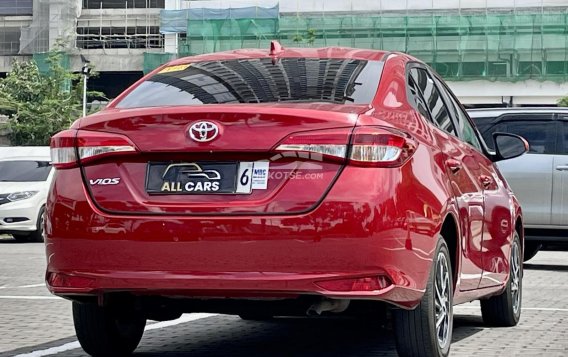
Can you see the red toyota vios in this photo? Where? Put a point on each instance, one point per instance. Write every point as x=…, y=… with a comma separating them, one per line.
x=283, y=182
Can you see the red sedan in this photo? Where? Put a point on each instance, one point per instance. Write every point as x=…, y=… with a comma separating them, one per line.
x=283, y=182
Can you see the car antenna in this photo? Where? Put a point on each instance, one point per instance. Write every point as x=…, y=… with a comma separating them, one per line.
x=275, y=49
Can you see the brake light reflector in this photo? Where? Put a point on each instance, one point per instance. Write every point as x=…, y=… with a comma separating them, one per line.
x=316, y=145
x=63, y=149
x=356, y=284
x=377, y=146
x=89, y=145
x=94, y=145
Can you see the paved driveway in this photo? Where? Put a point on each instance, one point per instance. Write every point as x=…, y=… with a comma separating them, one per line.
x=34, y=323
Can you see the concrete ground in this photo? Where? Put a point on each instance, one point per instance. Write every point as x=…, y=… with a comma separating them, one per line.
x=35, y=323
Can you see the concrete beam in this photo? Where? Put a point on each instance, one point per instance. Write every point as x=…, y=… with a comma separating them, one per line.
x=6, y=62
x=112, y=60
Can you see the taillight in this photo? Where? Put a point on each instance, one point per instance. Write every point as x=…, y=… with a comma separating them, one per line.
x=382, y=147
x=316, y=145
x=88, y=145
x=63, y=154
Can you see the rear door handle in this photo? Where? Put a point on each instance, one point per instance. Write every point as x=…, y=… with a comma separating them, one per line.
x=562, y=168
x=454, y=165
x=486, y=181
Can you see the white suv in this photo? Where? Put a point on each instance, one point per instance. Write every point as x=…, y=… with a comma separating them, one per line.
x=25, y=178
x=539, y=178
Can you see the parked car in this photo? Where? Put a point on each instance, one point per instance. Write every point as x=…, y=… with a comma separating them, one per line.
x=540, y=178
x=206, y=168
x=25, y=177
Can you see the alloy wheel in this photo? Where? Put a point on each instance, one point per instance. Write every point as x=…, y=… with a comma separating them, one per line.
x=516, y=277
x=442, y=301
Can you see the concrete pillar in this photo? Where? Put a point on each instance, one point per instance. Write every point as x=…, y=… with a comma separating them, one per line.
x=171, y=40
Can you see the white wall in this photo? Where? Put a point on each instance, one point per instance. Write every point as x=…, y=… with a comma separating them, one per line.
x=367, y=5
x=525, y=92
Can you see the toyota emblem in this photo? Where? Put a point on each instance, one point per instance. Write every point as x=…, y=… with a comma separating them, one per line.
x=203, y=131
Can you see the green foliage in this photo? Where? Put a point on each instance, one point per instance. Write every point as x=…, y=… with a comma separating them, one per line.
x=309, y=37
x=561, y=103
x=39, y=105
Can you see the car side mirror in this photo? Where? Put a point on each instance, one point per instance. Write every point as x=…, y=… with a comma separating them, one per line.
x=508, y=146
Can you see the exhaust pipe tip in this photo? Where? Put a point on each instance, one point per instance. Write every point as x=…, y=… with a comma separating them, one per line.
x=328, y=305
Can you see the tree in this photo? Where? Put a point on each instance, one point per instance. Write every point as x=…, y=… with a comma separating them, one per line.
x=38, y=104
x=563, y=102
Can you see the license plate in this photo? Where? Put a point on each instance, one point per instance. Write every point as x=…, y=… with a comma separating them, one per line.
x=199, y=178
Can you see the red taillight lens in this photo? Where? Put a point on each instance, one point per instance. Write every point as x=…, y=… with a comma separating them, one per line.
x=63, y=154
x=316, y=145
x=94, y=145
x=356, y=284
x=377, y=146
x=59, y=280
x=88, y=145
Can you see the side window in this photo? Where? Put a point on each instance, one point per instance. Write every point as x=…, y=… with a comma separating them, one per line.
x=436, y=105
x=464, y=125
x=417, y=97
x=487, y=133
x=541, y=135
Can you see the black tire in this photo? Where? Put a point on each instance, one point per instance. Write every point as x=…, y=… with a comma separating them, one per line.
x=505, y=309
x=37, y=235
x=531, y=248
x=102, y=333
x=415, y=330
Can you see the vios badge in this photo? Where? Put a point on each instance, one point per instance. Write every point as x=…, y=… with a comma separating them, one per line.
x=203, y=131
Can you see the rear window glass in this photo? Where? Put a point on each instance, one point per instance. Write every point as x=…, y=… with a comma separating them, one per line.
x=24, y=171
x=340, y=81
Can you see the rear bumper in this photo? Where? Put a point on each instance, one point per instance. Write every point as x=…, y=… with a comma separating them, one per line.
x=91, y=253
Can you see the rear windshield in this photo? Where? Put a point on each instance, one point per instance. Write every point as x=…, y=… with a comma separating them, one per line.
x=340, y=81
x=24, y=171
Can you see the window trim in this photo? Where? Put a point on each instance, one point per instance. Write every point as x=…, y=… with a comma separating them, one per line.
x=418, y=65
x=483, y=147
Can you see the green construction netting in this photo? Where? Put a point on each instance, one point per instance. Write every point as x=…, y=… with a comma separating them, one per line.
x=505, y=46
x=205, y=36
x=153, y=60
x=41, y=60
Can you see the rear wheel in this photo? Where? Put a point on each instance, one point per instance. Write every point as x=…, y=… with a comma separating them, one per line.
x=505, y=309
x=102, y=332
x=427, y=330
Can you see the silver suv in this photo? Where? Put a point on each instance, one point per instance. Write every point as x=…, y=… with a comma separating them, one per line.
x=539, y=178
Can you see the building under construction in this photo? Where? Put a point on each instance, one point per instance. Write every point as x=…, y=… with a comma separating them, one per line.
x=492, y=52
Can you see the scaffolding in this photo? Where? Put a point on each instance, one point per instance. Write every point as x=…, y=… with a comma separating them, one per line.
x=108, y=24
x=54, y=23
x=14, y=14
x=492, y=43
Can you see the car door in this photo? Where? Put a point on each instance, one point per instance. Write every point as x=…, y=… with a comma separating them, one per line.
x=490, y=202
x=559, y=215
x=463, y=171
x=530, y=176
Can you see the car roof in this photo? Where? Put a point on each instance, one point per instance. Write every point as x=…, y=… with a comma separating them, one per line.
x=325, y=52
x=495, y=112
